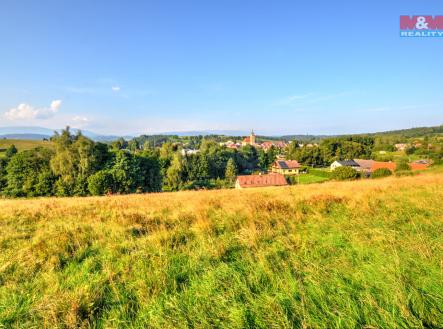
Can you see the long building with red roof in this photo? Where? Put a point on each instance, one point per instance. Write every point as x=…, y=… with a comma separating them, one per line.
x=272, y=179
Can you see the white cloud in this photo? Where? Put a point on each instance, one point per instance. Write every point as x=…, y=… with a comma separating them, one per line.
x=23, y=111
x=115, y=88
x=80, y=119
x=26, y=112
x=55, y=105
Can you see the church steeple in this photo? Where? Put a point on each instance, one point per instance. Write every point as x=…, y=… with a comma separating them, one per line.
x=252, y=138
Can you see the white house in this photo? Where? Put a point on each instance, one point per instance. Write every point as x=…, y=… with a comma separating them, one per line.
x=345, y=163
x=189, y=152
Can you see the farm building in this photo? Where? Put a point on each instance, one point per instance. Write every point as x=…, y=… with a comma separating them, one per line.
x=272, y=179
x=345, y=163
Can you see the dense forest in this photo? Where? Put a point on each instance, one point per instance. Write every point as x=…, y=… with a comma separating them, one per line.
x=79, y=166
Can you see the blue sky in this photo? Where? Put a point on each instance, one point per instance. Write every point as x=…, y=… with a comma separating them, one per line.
x=319, y=67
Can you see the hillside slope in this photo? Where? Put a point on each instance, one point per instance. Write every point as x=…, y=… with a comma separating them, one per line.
x=354, y=254
x=23, y=145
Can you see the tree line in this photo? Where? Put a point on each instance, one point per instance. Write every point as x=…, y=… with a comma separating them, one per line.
x=331, y=149
x=78, y=166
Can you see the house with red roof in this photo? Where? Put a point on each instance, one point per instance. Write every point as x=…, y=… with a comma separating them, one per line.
x=247, y=181
x=387, y=165
x=392, y=166
x=286, y=167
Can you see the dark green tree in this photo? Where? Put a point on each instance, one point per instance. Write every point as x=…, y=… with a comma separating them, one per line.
x=24, y=170
x=45, y=183
x=231, y=172
x=150, y=178
x=174, y=174
x=102, y=182
x=291, y=150
x=11, y=151
x=76, y=158
x=3, y=179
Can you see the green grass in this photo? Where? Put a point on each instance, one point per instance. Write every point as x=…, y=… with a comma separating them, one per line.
x=364, y=254
x=311, y=178
x=22, y=145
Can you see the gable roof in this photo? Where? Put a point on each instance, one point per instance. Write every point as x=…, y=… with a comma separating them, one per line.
x=388, y=165
x=365, y=164
x=348, y=163
x=267, y=144
x=287, y=164
x=392, y=165
x=418, y=166
x=280, y=144
x=261, y=180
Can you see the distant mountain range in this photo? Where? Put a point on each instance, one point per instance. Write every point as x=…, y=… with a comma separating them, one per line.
x=40, y=133
x=206, y=133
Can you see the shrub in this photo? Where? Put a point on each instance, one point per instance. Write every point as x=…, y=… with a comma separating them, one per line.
x=381, y=172
x=45, y=183
x=402, y=166
x=292, y=180
x=410, y=150
x=344, y=173
x=101, y=182
x=23, y=171
x=11, y=151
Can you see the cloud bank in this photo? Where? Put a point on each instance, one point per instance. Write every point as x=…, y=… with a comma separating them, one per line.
x=27, y=112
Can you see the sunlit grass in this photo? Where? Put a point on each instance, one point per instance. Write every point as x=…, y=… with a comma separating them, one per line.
x=353, y=254
x=23, y=145
x=310, y=179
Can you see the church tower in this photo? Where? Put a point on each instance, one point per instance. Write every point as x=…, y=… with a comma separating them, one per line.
x=252, y=138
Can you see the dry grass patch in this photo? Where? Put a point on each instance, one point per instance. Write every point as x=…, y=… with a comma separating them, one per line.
x=348, y=254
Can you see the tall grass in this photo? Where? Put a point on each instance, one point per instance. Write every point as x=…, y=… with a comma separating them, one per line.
x=336, y=255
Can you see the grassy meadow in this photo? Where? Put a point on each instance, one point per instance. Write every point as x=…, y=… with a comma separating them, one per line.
x=23, y=145
x=365, y=254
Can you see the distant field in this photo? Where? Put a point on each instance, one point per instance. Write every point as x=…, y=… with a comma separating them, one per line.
x=311, y=178
x=397, y=156
x=22, y=145
x=363, y=254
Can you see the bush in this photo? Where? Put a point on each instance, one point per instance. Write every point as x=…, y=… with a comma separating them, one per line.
x=23, y=171
x=45, y=183
x=11, y=151
x=402, y=166
x=344, y=173
x=292, y=180
x=101, y=182
x=410, y=150
x=381, y=172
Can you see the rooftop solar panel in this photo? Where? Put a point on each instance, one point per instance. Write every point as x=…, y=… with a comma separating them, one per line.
x=283, y=165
